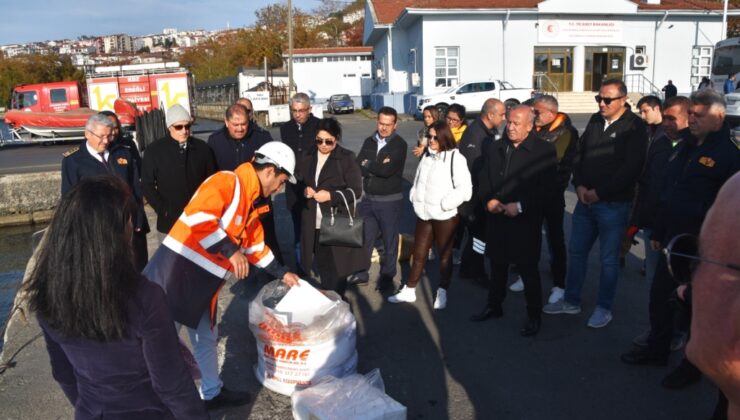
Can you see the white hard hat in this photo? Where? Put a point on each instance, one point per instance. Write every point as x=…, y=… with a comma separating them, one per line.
x=278, y=154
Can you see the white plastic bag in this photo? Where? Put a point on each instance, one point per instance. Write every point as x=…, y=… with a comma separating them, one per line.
x=310, y=335
x=357, y=397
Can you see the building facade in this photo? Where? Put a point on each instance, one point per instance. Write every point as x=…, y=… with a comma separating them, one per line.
x=322, y=72
x=424, y=47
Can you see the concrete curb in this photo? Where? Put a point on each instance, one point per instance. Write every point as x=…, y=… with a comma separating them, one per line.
x=29, y=198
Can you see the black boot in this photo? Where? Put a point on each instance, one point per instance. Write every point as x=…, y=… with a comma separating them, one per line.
x=532, y=327
x=488, y=312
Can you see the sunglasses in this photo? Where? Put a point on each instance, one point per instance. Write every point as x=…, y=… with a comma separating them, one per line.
x=179, y=127
x=682, y=259
x=431, y=137
x=328, y=142
x=607, y=101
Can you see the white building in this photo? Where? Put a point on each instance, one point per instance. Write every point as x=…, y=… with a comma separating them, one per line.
x=422, y=47
x=322, y=72
x=117, y=43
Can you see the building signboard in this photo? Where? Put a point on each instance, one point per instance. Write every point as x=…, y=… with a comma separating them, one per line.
x=572, y=31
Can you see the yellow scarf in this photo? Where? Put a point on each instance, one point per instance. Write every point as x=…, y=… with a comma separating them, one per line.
x=457, y=133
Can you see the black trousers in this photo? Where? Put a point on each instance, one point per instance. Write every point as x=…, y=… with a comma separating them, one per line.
x=472, y=261
x=662, y=310
x=554, y=213
x=532, y=287
x=141, y=254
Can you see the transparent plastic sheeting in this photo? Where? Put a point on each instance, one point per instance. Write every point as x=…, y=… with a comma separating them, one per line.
x=357, y=397
x=311, y=335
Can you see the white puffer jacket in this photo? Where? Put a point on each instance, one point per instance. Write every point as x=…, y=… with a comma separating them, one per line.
x=433, y=194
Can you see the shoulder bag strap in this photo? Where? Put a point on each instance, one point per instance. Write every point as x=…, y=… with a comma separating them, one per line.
x=351, y=218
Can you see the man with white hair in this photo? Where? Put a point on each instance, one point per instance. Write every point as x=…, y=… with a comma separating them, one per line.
x=696, y=170
x=101, y=155
x=173, y=168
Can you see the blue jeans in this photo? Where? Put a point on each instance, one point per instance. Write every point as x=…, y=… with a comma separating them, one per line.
x=607, y=222
x=204, y=340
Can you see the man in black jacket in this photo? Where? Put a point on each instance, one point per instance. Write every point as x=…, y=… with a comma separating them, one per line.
x=382, y=159
x=477, y=138
x=696, y=170
x=234, y=144
x=300, y=134
x=555, y=127
x=607, y=165
x=99, y=155
x=517, y=173
x=174, y=167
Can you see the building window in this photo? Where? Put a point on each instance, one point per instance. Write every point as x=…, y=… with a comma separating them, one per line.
x=701, y=63
x=446, y=66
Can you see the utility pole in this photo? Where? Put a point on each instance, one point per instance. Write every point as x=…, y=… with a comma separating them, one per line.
x=290, y=48
x=724, y=23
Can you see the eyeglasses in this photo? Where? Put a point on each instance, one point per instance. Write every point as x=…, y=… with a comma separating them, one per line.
x=179, y=127
x=299, y=111
x=328, y=142
x=431, y=137
x=607, y=101
x=448, y=118
x=103, y=137
x=682, y=260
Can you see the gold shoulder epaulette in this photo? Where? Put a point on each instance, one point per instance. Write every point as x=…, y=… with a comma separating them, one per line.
x=71, y=151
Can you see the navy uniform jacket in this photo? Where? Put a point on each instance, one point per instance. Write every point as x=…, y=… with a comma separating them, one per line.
x=231, y=153
x=78, y=163
x=693, y=178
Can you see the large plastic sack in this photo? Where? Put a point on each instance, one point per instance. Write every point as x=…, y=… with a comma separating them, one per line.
x=357, y=397
x=302, y=335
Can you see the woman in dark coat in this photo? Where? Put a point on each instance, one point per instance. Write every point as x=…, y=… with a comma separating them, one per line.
x=323, y=173
x=517, y=174
x=109, y=333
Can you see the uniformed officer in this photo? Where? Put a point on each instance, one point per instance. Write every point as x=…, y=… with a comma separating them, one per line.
x=696, y=170
x=98, y=156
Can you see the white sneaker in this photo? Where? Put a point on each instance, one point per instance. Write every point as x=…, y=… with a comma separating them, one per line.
x=556, y=294
x=407, y=294
x=440, y=302
x=518, y=285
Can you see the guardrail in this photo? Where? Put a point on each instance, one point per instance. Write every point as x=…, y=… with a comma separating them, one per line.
x=637, y=83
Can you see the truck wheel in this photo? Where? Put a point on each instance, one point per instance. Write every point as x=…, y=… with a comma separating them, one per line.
x=510, y=103
x=442, y=109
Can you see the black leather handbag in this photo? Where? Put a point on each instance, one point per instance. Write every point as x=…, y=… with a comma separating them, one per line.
x=343, y=230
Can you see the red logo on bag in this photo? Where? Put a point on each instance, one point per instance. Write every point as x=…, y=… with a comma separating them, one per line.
x=284, y=354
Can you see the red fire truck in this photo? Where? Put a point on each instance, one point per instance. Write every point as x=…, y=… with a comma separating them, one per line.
x=59, y=110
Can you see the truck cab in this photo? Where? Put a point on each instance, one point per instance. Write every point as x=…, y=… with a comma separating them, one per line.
x=46, y=97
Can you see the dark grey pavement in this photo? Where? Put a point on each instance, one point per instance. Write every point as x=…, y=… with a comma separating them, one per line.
x=438, y=364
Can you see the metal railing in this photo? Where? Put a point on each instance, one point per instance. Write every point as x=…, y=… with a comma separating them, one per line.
x=637, y=83
x=541, y=83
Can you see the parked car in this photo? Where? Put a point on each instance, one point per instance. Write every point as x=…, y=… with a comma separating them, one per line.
x=340, y=103
x=473, y=94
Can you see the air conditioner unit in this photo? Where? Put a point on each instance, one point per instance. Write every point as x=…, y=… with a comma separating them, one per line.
x=640, y=61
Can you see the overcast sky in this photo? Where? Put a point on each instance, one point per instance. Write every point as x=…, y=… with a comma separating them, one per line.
x=41, y=20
